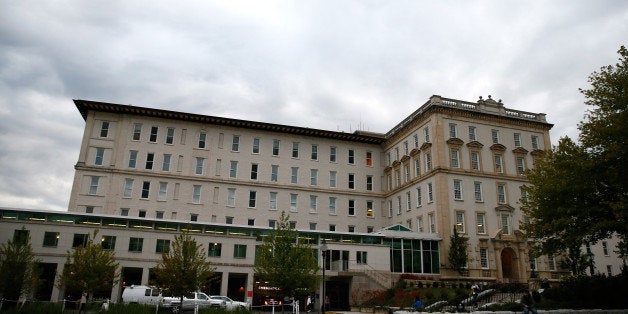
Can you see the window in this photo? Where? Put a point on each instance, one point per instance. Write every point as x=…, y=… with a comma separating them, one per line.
x=457, y=189
x=231, y=194
x=551, y=262
x=229, y=220
x=124, y=212
x=166, y=165
x=396, y=153
x=132, y=158
x=455, y=158
x=294, y=174
x=408, y=201
x=409, y=224
x=605, y=248
x=351, y=181
x=453, y=130
x=517, y=138
x=431, y=222
x=150, y=158
x=145, y=189
x=159, y=215
x=460, y=221
x=163, y=246
x=388, y=159
x=163, y=191
x=273, y=200
x=235, y=143
x=104, y=129
x=313, y=203
x=369, y=183
x=428, y=162
x=51, y=239
x=254, y=171
x=332, y=205
x=239, y=251
x=332, y=179
x=272, y=223
x=312, y=226
x=274, y=170
x=170, y=136
x=477, y=190
x=332, y=154
x=475, y=160
x=481, y=223
x=108, y=242
x=419, y=199
x=369, y=208
x=501, y=193
x=202, y=138
x=314, y=155
x=406, y=173
x=524, y=194
x=233, y=169
x=390, y=208
x=351, y=208
x=313, y=176
x=535, y=142
x=252, y=199
x=135, y=244
x=495, y=136
x=93, y=185
x=275, y=147
x=137, y=131
x=483, y=257
x=498, y=163
x=351, y=157
x=332, y=227
x=369, y=159
x=471, y=133
x=100, y=152
x=89, y=209
x=295, y=150
x=417, y=166
x=520, y=165
x=398, y=205
x=214, y=249
x=196, y=194
x=389, y=182
x=141, y=214
x=427, y=134
x=80, y=240
x=199, y=165
x=419, y=224
x=430, y=193
x=293, y=202
x=532, y=264
x=505, y=223
x=255, y=146
x=360, y=257
x=128, y=188
x=154, y=130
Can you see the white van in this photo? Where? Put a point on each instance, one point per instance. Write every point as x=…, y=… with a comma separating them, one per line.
x=141, y=295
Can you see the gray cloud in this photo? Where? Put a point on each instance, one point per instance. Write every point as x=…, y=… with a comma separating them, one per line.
x=335, y=65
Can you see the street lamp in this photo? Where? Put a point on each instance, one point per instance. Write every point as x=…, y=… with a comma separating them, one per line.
x=324, y=251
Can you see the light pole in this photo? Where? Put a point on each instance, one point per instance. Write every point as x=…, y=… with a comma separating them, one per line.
x=324, y=251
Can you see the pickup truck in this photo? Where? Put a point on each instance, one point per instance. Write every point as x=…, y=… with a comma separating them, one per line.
x=191, y=300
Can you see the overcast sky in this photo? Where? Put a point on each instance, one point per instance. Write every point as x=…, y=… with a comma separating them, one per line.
x=334, y=65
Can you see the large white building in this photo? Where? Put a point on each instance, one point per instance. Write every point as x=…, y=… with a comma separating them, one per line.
x=386, y=204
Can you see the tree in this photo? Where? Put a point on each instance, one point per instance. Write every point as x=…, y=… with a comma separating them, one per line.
x=19, y=274
x=458, y=252
x=603, y=135
x=577, y=193
x=286, y=263
x=184, y=267
x=90, y=268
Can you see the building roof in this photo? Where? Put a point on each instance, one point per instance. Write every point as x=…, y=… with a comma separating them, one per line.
x=84, y=106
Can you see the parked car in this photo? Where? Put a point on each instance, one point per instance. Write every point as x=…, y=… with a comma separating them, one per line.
x=142, y=295
x=228, y=303
x=190, y=301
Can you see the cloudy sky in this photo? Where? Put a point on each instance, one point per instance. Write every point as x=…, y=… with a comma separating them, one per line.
x=335, y=65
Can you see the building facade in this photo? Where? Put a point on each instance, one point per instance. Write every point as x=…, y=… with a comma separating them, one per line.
x=386, y=204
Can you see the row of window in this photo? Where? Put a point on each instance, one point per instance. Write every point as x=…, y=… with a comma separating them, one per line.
x=202, y=139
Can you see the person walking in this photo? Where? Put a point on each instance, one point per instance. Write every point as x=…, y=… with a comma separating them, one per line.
x=82, y=302
x=528, y=302
x=308, y=303
x=475, y=290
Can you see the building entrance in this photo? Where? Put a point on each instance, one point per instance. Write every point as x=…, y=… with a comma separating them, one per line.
x=509, y=265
